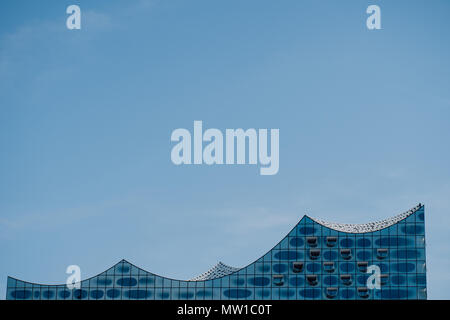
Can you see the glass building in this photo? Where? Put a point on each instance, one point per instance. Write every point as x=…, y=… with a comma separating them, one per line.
x=317, y=260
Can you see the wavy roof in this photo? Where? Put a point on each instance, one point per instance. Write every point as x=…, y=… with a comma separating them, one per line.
x=367, y=227
x=222, y=270
x=219, y=270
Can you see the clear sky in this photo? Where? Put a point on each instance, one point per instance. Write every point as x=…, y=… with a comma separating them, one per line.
x=86, y=117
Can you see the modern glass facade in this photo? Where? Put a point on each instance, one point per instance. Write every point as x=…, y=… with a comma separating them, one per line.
x=317, y=260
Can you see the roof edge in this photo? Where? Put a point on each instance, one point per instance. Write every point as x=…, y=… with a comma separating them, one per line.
x=367, y=227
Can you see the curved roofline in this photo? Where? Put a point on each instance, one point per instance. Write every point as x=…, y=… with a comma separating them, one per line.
x=61, y=284
x=367, y=227
x=371, y=227
x=101, y=273
x=124, y=260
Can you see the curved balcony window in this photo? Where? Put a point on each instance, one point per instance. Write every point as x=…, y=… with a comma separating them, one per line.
x=384, y=279
x=331, y=241
x=382, y=253
x=311, y=241
x=362, y=266
x=363, y=292
x=346, y=254
x=278, y=280
x=314, y=254
x=331, y=292
x=328, y=267
x=312, y=279
x=297, y=267
x=346, y=279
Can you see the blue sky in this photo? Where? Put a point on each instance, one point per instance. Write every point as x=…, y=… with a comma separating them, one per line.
x=86, y=118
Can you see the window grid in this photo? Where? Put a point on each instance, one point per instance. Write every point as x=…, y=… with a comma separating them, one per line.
x=404, y=266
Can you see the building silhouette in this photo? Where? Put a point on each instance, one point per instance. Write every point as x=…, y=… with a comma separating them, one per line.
x=317, y=260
